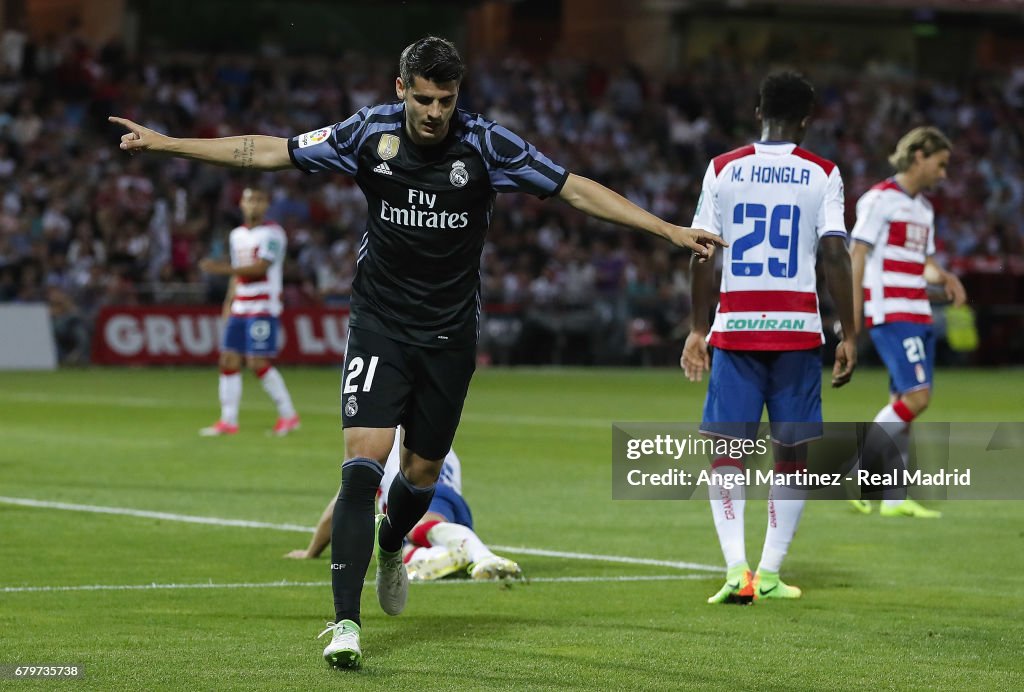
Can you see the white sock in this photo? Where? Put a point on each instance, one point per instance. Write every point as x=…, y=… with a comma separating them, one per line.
x=230, y=391
x=785, y=506
x=727, y=509
x=888, y=415
x=273, y=384
x=898, y=428
x=452, y=535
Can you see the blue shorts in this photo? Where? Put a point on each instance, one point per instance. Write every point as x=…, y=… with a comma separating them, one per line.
x=251, y=336
x=450, y=505
x=908, y=351
x=742, y=383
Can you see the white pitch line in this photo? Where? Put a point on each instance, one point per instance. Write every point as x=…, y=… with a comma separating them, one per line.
x=246, y=524
x=285, y=583
x=157, y=587
x=607, y=558
x=165, y=516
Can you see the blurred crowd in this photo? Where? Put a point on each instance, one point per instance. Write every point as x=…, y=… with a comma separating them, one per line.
x=83, y=225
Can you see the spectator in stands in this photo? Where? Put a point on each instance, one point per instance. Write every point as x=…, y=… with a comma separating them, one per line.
x=59, y=178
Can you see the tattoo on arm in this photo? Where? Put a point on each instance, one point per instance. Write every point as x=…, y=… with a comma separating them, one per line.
x=245, y=152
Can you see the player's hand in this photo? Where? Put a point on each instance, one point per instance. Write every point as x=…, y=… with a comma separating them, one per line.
x=138, y=138
x=212, y=266
x=700, y=241
x=695, y=360
x=299, y=555
x=846, y=361
x=955, y=290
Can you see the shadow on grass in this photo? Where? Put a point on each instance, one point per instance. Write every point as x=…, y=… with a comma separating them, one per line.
x=474, y=651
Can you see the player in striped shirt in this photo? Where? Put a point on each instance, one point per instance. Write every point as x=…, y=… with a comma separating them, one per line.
x=250, y=315
x=893, y=262
x=777, y=205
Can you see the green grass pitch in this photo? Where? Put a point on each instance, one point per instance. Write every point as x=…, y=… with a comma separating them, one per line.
x=888, y=604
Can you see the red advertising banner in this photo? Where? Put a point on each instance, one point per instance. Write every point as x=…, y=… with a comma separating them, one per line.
x=190, y=335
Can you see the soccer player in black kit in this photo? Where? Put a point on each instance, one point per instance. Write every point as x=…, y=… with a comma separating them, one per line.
x=430, y=173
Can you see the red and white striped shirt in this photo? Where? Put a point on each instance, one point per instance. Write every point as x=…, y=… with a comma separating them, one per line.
x=258, y=295
x=772, y=201
x=901, y=232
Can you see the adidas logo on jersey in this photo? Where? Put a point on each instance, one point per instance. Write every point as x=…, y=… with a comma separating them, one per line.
x=382, y=168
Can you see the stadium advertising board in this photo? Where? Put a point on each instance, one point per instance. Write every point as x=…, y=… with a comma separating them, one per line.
x=26, y=340
x=190, y=335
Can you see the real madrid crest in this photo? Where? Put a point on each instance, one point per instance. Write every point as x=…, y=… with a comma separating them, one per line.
x=459, y=175
x=351, y=406
x=387, y=147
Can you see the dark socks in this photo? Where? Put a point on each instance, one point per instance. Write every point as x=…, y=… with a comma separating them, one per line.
x=406, y=505
x=352, y=534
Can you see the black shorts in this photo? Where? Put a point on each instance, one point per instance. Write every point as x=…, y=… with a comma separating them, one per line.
x=386, y=383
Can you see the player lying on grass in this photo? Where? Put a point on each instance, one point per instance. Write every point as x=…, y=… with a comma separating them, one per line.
x=442, y=543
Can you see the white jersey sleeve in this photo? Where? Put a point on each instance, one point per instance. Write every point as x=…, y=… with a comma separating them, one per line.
x=707, y=215
x=272, y=244
x=832, y=214
x=391, y=468
x=871, y=218
x=451, y=472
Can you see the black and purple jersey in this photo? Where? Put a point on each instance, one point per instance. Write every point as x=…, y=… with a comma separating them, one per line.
x=418, y=275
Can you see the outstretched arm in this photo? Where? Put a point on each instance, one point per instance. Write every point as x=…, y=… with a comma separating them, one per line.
x=839, y=278
x=321, y=535
x=255, y=270
x=594, y=199
x=260, y=152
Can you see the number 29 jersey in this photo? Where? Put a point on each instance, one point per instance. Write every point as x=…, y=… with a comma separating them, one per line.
x=772, y=202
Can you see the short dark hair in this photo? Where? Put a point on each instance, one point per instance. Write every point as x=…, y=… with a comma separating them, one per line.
x=786, y=95
x=433, y=58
